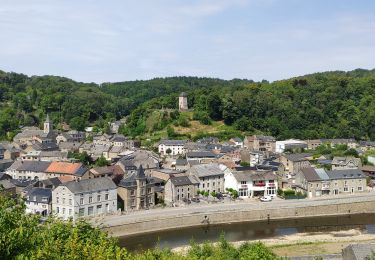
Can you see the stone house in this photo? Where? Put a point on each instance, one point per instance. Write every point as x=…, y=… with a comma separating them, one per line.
x=313, y=144
x=342, y=163
x=136, y=190
x=294, y=162
x=211, y=176
x=319, y=182
x=180, y=188
x=260, y=143
x=85, y=198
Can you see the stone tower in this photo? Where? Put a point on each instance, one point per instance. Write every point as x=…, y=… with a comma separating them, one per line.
x=182, y=102
x=47, y=125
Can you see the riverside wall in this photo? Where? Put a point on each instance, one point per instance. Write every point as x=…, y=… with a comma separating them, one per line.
x=250, y=214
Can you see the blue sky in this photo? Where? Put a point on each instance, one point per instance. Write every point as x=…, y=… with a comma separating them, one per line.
x=117, y=40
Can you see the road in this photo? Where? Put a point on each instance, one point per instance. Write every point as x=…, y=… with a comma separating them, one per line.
x=146, y=215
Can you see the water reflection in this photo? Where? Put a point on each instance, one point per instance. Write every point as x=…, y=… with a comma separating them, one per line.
x=249, y=231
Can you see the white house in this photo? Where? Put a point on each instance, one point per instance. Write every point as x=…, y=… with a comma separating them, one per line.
x=84, y=198
x=252, y=183
x=175, y=147
x=281, y=146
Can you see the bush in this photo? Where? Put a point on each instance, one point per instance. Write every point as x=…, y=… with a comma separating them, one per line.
x=289, y=192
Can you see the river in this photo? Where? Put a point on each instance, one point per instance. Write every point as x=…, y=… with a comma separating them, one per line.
x=248, y=231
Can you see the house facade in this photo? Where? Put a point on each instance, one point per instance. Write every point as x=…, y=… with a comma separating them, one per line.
x=260, y=143
x=294, y=162
x=252, y=183
x=319, y=182
x=136, y=190
x=343, y=163
x=211, y=176
x=172, y=147
x=180, y=188
x=39, y=201
x=85, y=198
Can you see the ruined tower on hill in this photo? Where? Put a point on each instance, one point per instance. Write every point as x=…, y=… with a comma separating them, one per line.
x=182, y=102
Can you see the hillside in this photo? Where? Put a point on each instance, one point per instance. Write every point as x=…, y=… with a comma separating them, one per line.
x=326, y=105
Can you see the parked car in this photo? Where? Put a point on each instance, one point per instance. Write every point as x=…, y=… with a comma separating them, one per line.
x=266, y=198
x=219, y=196
x=195, y=199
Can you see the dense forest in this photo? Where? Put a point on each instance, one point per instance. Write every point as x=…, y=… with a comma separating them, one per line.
x=321, y=105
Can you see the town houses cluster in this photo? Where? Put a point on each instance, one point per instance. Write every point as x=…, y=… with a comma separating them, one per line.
x=38, y=166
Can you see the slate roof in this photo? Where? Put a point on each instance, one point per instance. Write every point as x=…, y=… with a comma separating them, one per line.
x=39, y=195
x=118, y=138
x=367, y=143
x=90, y=185
x=310, y=174
x=201, y=154
x=102, y=170
x=183, y=94
x=173, y=142
x=206, y=170
x=33, y=166
x=346, y=160
x=254, y=176
x=181, y=180
x=130, y=179
x=4, y=176
x=297, y=157
x=266, y=138
x=181, y=162
x=346, y=174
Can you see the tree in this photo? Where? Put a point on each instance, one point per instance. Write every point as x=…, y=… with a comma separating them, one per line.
x=102, y=161
x=78, y=123
x=168, y=151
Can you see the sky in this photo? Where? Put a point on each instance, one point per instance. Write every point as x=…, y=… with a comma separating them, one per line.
x=119, y=40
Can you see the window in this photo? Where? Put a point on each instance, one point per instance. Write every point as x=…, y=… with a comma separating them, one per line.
x=90, y=210
x=107, y=207
x=70, y=201
x=243, y=182
x=213, y=184
x=63, y=202
x=57, y=200
x=149, y=190
x=99, y=209
x=90, y=199
x=346, y=189
x=63, y=211
x=70, y=212
x=81, y=201
x=208, y=185
x=131, y=192
x=99, y=198
x=81, y=212
x=57, y=210
x=317, y=185
x=133, y=202
x=360, y=188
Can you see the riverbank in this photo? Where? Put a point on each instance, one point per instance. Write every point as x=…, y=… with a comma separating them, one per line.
x=317, y=243
x=180, y=218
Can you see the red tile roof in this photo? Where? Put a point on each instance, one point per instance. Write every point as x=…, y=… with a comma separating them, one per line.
x=64, y=167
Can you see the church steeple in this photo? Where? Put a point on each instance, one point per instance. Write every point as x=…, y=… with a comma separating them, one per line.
x=47, y=125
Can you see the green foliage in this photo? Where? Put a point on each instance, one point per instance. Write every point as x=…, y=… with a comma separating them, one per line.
x=205, y=193
x=213, y=194
x=203, y=117
x=81, y=157
x=102, y=161
x=243, y=163
x=23, y=236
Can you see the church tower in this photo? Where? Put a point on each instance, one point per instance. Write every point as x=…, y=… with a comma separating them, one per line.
x=47, y=125
x=182, y=102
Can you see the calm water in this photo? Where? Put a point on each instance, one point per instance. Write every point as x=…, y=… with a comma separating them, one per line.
x=248, y=231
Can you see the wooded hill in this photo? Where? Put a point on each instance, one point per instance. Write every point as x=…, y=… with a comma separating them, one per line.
x=321, y=105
